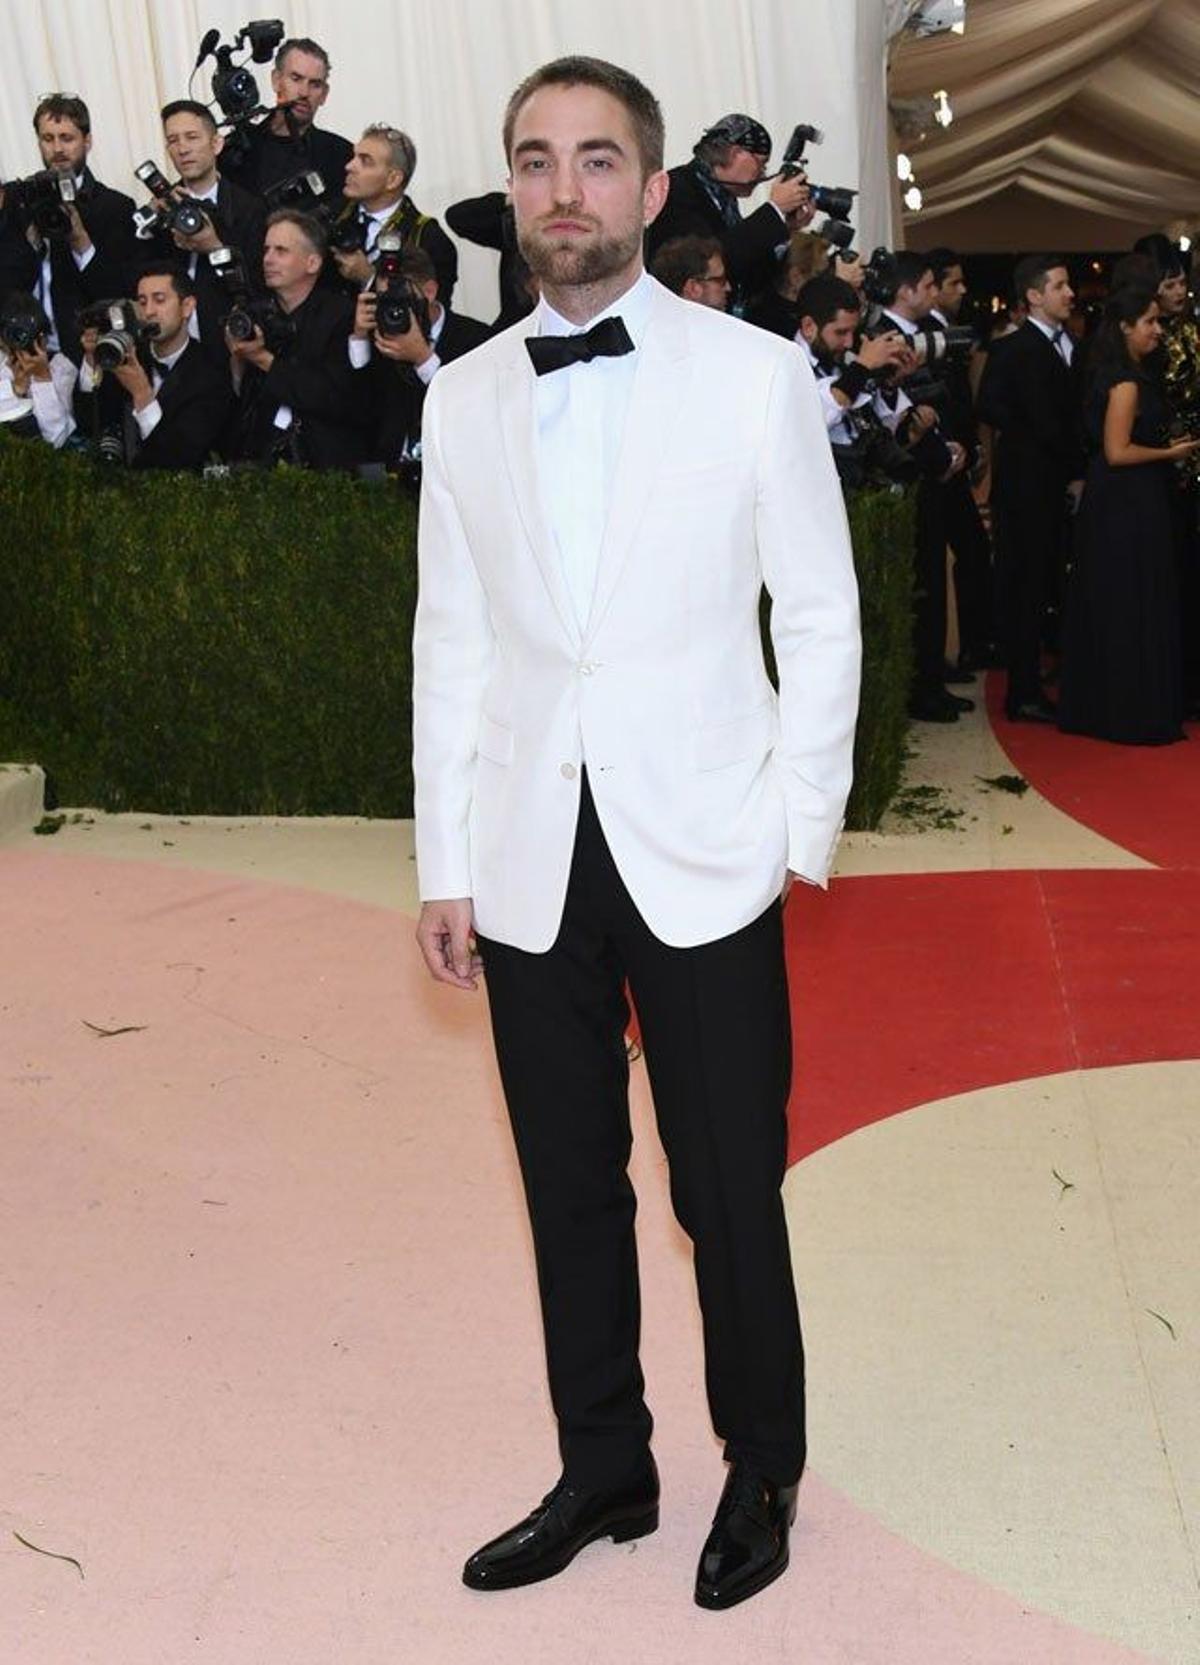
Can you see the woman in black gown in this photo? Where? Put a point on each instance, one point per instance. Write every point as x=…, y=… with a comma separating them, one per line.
x=1121, y=672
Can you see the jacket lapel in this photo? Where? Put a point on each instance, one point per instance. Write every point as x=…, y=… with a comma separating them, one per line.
x=654, y=408
x=518, y=429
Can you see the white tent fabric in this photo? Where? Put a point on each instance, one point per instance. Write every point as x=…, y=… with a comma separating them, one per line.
x=1086, y=106
x=443, y=69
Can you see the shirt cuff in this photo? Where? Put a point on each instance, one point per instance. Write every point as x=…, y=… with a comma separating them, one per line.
x=83, y=261
x=148, y=418
x=429, y=369
x=360, y=352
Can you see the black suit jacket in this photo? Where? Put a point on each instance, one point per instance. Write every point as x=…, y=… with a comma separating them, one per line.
x=417, y=231
x=1032, y=399
x=108, y=216
x=313, y=376
x=398, y=393
x=749, y=247
x=240, y=220
x=267, y=159
x=196, y=400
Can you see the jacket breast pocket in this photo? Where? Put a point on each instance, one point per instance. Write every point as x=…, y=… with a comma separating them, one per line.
x=495, y=742
x=724, y=744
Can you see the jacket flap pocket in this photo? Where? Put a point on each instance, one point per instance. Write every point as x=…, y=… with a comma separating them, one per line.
x=495, y=742
x=726, y=743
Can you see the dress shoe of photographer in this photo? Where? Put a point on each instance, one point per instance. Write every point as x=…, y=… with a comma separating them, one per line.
x=960, y=702
x=1031, y=711
x=747, y=1548
x=567, y=1518
x=934, y=707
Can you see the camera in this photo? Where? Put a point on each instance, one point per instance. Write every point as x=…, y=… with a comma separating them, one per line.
x=234, y=89
x=22, y=322
x=166, y=213
x=41, y=201
x=121, y=330
x=402, y=301
x=299, y=190
x=835, y=200
x=248, y=311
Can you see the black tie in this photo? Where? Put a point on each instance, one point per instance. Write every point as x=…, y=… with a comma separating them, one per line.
x=607, y=339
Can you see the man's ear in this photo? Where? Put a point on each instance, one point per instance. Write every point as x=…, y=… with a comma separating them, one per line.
x=654, y=196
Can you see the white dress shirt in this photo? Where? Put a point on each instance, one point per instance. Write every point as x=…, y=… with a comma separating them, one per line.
x=581, y=413
x=44, y=287
x=1058, y=337
x=841, y=431
x=51, y=400
x=150, y=415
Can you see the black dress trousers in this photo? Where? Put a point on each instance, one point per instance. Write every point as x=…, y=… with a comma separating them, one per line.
x=716, y=1037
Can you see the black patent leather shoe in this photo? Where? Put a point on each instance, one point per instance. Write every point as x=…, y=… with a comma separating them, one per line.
x=567, y=1518
x=747, y=1548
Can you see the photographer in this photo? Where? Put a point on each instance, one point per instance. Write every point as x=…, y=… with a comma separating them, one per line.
x=233, y=216
x=378, y=175
x=402, y=336
x=965, y=532
x=775, y=309
x=488, y=221
x=870, y=434
x=84, y=247
x=694, y=269
x=729, y=161
x=903, y=284
x=288, y=141
x=298, y=396
x=36, y=385
x=165, y=402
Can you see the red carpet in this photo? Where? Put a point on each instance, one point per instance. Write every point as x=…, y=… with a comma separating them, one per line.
x=1145, y=798
x=906, y=989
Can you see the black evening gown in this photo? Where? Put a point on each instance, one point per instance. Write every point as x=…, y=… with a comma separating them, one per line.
x=1121, y=674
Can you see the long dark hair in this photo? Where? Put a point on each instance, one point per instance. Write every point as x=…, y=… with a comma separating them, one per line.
x=1109, y=358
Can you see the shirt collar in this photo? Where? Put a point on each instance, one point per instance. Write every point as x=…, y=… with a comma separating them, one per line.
x=904, y=325
x=169, y=363
x=384, y=213
x=633, y=307
x=1050, y=331
x=940, y=316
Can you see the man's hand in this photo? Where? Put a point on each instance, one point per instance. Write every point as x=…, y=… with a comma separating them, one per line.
x=445, y=940
x=907, y=363
x=881, y=352
x=30, y=366
x=409, y=348
x=253, y=351
x=354, y=266
x=364, y=316
x=203, y=241
x=958, y=460
x=81, y=241
x=132, y=376
x=921, y=419
x=791, y=194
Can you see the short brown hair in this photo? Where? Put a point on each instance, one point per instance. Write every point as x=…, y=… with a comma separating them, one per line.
x=64, y=107
x=640, y=103
x=301, y=43
x=684, y=258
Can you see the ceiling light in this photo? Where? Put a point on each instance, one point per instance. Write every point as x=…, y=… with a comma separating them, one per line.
x=942, y=114
x=904, y=168
x=913, y=200
x=1185, y=244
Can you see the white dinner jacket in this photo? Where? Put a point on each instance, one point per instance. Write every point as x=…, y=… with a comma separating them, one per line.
x=707, y=786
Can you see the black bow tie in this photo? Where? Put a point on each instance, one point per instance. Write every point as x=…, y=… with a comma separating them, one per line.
x=607, y=339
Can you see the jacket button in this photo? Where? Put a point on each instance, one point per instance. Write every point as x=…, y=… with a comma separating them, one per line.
x=568, y=771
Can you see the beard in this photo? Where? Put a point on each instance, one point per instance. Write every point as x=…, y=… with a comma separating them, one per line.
x=569, y=263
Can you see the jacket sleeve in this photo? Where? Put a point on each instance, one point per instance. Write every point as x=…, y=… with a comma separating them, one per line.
x=453, y=647
x=808, y=568
x=479, y=219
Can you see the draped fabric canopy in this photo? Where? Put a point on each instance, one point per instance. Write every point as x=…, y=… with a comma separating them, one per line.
x=1074, y=117
x=443, y=69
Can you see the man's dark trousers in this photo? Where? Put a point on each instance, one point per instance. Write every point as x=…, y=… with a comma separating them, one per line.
x=716, y=1036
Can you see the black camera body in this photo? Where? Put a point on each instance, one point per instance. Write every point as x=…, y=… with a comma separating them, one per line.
x=23, y=322
x=249, y=311
x=234, y=88
x=121, y=330
x=41, y=201
x=304, y=191
x=401, y=302
x=166, y=212
x=835, y=200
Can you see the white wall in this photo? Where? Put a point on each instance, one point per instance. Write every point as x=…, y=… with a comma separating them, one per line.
x=443, y=69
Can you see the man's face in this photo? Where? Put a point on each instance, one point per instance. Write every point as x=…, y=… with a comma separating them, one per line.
x=580, y=201
x=370, y=176
x=1173, y=295
x=1056, y=297
x=64, y=148
x=192, y=145
x=158, y=303
x=303, y=82
x=713, y=288
x=288, y=259
x=831, y=341
x=917, y=300
x=741, y=170
x=951, y=292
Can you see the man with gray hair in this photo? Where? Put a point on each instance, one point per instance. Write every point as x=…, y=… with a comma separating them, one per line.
x=378, y=175
x=288, y=141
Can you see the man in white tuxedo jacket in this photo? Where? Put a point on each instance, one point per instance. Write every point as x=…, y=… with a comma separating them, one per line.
x=611, y=795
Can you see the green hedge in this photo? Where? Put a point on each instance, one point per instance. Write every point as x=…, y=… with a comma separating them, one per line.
x=241, y=646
